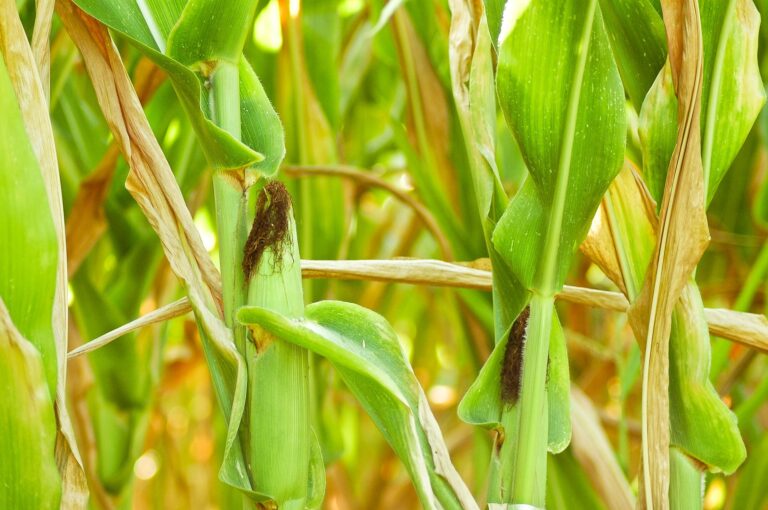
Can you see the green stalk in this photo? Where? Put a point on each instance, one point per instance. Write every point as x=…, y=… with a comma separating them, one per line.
x=231, y=215
x=529, y=478
x=685, y=483
x=530, y=472
x=230, y=196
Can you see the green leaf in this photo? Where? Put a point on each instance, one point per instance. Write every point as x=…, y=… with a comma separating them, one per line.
x=494, y=10
x=162, y=31
x=30, y=478
x=639, y=43
x=28, y=258
x=365, y=350
x=570, y=124
x=732, y=96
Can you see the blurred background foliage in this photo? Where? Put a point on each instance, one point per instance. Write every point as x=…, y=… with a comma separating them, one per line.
x=363, y=86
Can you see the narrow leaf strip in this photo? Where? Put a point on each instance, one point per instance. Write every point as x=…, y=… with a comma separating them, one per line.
x=748, y=329
x=683, y=237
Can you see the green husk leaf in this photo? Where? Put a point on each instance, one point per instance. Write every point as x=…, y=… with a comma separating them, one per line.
x=284, y=461
x=365, y=350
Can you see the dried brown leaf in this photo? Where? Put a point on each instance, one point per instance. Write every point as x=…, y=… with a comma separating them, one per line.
x=748, y=329
x=682, y=238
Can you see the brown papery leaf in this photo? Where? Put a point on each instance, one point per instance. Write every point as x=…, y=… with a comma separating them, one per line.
x=682, y=238
x=150, y=179
x=33, y=103
x=86, y=221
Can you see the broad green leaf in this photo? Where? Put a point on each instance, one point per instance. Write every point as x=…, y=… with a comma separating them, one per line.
x=570, y=124
x=639, y=43
x=482, y=405
x=732, y=96
x=163, y=31
x=30, y=478
x=28, y=258
x=365, y=350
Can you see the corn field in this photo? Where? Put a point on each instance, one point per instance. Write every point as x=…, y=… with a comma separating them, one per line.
x=383, y=254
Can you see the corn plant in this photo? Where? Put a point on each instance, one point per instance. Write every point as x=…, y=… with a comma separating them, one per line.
x=436, y=254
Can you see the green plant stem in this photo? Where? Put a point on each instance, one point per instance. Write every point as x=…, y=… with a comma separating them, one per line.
x=229, y=194
x=529, y=482
x=685, y=484
x=231, y=201
x=530, y=468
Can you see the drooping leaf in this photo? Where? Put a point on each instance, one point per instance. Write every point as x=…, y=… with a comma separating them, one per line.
x=621, y=242
x=152, y=184
x=683, y=236
x=365, y=350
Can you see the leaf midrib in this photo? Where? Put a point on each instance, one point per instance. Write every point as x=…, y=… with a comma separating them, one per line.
x=547, y=273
